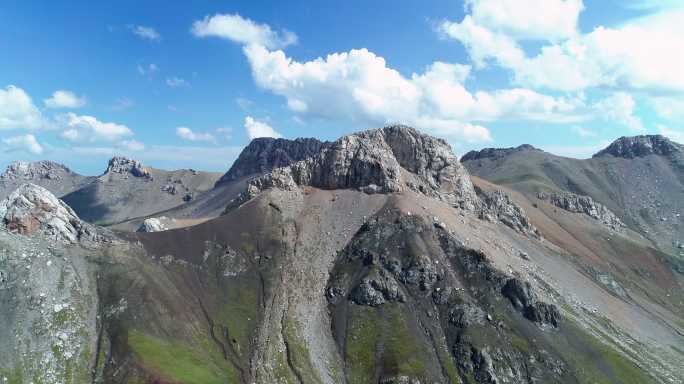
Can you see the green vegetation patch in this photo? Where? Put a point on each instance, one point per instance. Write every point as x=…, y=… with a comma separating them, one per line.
x=382, y=337
x=176, y=361
x=238, y=313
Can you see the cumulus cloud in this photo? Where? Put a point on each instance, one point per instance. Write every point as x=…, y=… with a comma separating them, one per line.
x=27, y=143
x=257, y=129
x=620, y=107
x=88, y=128
x=17, y=110
x=528, y=19
x=176, y=82
x=241, y=30
x=145, y=33
x=359, y=86
x=669, y=108
x=65, y=99
x=603, y=57
x=672, y=134
x=186, y=133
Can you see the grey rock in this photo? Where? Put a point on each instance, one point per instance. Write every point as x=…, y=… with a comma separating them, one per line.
x=640, y=146
x=543, y=313
x=32, y=209
x=264, y=154
x=465, y=315
x=154, y=224
x=377, y=288
x=387, y=160
x=498, y=206
x=585, y=205
x=38, y=170
x=124, y=166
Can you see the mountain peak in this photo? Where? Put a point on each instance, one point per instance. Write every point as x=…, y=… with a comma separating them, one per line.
x=124, y=165
x=33, y=209
x=496, y=153
x=638, y=146
x=266, y=153
x=386, y=160
x=36, y=170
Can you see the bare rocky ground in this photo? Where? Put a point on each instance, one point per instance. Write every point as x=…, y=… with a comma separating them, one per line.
x=375, y=259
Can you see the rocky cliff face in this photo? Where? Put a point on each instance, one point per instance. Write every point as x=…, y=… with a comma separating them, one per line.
x=38, y=170
x=498, y=206
x=32, y=209
x=125, y=166
x=640, y=146
x=387, y=160
x=264, y=154
x=585, y=205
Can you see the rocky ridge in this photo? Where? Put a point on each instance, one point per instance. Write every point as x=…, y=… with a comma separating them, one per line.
x=124, y=166
x=496, y=152
x=640, y=146
x=32, y=209
x=43, y=169
x=583, y=204
x=386, y=160
x=265, y=153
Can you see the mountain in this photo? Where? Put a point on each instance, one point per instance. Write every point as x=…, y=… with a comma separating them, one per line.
x=640, y=179
x=375, y=258
x=55, y=177
x=128, y=189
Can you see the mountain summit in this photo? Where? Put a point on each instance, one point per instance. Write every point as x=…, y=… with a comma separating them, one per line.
x=640, y=146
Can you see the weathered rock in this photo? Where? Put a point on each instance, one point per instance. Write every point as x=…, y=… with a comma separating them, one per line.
x=124, y=166
x=523, y=297
x=154, y=224
x=38, y=170
x=386, y=160
x=377, y=288
x=543, y=313
x=498, y=206
x=265, y=153
x=465, y=315
x=640, y=146
x=585, y=205
x=32, y=209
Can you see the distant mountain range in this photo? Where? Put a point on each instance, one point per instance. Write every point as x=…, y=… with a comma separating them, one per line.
x=376, y=258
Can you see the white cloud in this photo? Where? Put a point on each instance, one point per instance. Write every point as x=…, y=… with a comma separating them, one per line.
x=528, y=19
x=176, y=82
x=25, y=143
x=603, y=57
x=17, y=110
x=243, y=31
x=148, y=70
x=670, y=108
x=188, y=134
x=257, y=129
x=672, y=134
x=244, y=103
x=132, y=145
x=88, y=128
x=146, y=33
x=65, y=99
x=359, y=86
x=584, y=132
x=620, y=107
x=225, y=132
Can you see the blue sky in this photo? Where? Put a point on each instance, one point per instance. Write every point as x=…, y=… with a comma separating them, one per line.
x=187, y=84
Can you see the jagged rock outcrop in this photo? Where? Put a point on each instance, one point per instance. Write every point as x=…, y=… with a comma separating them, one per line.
x=154, y=224
x=124, y=166
x=32, y=209
x=585, y=205
x=265, y=153
x=38, y=170
x=523, y=297
x=386, y=160
x=640, y=146
x=498, y=206
x=496, y=153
